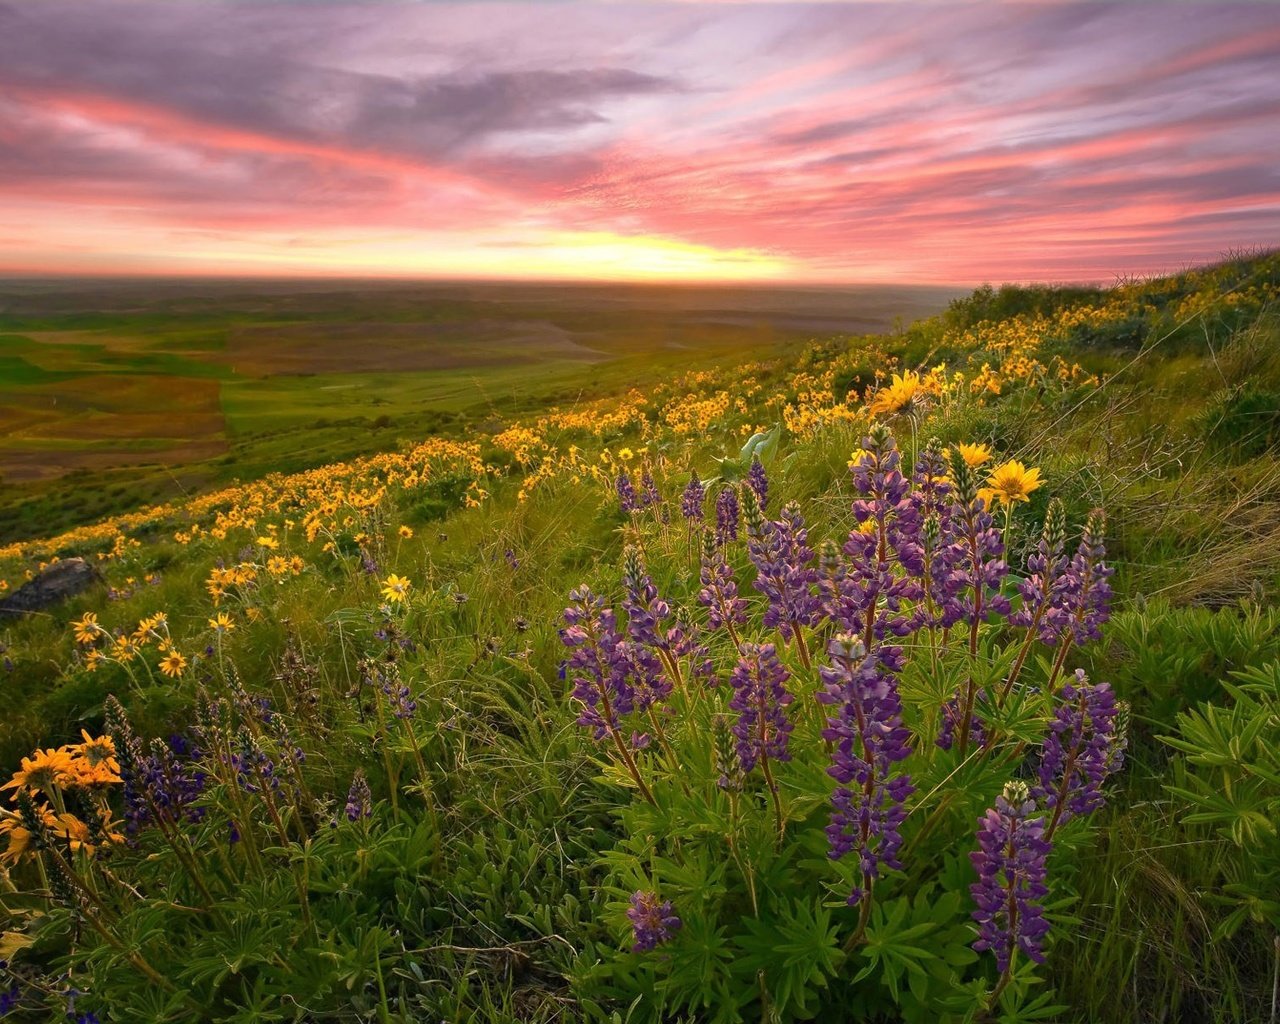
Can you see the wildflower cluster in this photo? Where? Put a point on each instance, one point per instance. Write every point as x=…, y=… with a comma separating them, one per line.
x=923, y=569
x=61, y=801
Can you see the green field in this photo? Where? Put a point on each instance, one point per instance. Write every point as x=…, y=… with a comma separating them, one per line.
x=116, y=394
x=714, y=707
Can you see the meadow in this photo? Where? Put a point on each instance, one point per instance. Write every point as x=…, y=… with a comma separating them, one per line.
x=115, y=394
x=924, y=675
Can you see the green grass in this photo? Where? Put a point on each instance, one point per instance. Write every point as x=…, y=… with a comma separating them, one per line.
x=488, y=885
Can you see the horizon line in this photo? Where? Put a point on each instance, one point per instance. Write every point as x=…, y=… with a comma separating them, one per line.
x=779, y=283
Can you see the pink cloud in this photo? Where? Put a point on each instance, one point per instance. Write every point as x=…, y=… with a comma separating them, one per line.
x=839, y=142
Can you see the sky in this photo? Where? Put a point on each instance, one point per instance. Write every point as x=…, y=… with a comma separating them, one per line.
x=823, y=143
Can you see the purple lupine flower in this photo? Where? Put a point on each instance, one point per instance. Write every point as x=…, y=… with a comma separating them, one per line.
x=649, y=489
x=597, y=664
x=888, y=530
x=627, y=498
x=255, y=770
x=653, y=922
x=976, y=549
x=646, y=611
x=830, y=577
x=10, y=997
x=760, y=697
x=727, y=514
x=758, y=481
x=648, y=616
x=1080, y=751
x=719, y=593
x=400, y=702
x=931, y=495
x=163, y=784
x=785, y=572
x=359, y=799
x=1011, y=865
x=951, y=719
x=175, y=780
x=931, y=490
x=1086, y=596
x=868, y=738
x=647, y=675
x=367, y=563
x=692, y=500
x=1047, y=581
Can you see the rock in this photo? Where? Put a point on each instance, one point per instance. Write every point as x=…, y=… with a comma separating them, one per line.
x=62, y=580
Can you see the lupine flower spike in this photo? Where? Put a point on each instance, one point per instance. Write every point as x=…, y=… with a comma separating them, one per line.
x=1011, y=865
x=758, y=481
x=868, y=738
x=1083, y=747
x=692, y=500
x=599, y=670
x=785, y=572
x=727, y=515
x=359, y=799
x=627, y=498
x=763, y=730
x=978, y=564
x=719, y=593
x=1042, y=612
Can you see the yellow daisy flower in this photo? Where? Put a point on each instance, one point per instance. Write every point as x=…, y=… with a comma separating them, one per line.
x=974, y=455
x=395, y=588
x=87, y=628
x=1012, y=481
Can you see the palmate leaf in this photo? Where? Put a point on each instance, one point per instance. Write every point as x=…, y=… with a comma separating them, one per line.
x=702, y=968
x=798, y=950
x=891, y=947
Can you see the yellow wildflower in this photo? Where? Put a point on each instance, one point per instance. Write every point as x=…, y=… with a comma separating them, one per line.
x=395, y=588
x=903, y=394
x=974, y=455
x=98, y=750
x=1012, y=481
x=41, y=771
x=173, y=664
x=87, y=628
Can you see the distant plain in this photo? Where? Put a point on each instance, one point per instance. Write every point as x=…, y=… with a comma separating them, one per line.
x=118, y=392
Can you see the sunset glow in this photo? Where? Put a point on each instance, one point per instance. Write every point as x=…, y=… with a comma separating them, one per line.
x=789, y=142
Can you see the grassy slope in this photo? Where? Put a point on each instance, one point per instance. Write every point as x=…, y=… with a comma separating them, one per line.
x=1178, y=443
x=115, y=396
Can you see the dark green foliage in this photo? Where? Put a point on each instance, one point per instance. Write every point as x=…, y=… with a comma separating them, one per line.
x=438, y=498
x=1009, y=300
x=1243, y=422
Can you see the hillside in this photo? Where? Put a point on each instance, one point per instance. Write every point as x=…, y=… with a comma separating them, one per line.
x=123, y=393
x=692, y=701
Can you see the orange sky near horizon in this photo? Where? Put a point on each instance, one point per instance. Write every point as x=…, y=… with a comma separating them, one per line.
x=684, y=142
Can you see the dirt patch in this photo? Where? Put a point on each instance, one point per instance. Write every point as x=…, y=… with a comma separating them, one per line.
x=104, y=420
x=28, y=466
